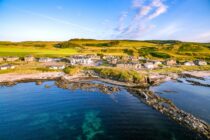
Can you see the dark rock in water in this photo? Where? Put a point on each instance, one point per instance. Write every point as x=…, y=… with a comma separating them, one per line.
x=87, y=86
x=38, y=82
x=47, y=86
x=197, y=83
x=8, y=84
x=186, y=75
x=170, y=91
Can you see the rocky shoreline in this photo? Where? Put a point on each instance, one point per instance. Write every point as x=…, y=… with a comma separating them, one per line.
x=162, y=105
x=167, y=108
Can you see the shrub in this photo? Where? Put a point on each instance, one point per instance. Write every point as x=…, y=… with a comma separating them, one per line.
x=67, y=44
x=72, y=70
x=160, y=55
x=118, y=74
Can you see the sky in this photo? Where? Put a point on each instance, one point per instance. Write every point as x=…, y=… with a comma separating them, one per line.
x=58, y=20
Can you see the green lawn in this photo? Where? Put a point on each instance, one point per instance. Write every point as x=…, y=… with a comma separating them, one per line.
x=23, y=51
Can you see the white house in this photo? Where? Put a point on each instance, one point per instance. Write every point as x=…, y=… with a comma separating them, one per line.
x=80, y=60
x=29, y=59
x=44, y=60
x=5, y=67
x=149, y=65
x=200, y=62
x=129, y=65
x=11, y=59
x=57, y=67
x=190, y=63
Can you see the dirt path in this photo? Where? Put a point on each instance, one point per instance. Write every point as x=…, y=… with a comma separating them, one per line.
x=35, y=76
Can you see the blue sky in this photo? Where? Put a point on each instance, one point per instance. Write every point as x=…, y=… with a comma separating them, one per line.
x=187, y=20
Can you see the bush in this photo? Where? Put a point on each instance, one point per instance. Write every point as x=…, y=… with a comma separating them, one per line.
x=109, y=44
x=67, y=44
x=72, y=70
x=119, y=75
x=160, y=55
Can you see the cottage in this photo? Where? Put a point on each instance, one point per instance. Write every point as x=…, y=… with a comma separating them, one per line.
x=6, y=67
x=11, y=59
x=149, y=65
x=29, y=59
x=1, y=59
x=129, y=66
x=80, y=60
x=94, y=57
x=157, y=63
x=113, y=61
x=44, y=60
x=190, y=63
x=200, y=62
x=57, y=67
x=170, y=62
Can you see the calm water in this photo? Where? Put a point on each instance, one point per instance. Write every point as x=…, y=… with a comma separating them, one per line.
x=191, y=98
x=31, y=112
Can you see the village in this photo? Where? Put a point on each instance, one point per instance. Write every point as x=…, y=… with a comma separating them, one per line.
x=122, y=62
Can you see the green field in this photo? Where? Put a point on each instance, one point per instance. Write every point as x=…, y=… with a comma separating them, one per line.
x=149, y=49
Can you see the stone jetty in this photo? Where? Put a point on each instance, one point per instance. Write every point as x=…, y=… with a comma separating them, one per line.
x=167, y=108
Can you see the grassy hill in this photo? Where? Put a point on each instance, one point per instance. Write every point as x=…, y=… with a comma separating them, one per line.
x=154, y=49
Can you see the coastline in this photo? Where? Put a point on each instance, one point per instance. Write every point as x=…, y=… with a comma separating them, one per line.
x=160, y=104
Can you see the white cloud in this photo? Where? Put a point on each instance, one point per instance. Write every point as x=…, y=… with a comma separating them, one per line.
x=140, y=22
x=160, y=8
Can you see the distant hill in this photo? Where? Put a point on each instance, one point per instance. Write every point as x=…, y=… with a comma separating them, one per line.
x=155, y=49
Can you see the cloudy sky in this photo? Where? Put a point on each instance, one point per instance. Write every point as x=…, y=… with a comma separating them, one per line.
x=186, y=20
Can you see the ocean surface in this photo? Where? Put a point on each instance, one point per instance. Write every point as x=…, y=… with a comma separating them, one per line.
x=188, y=97
x=34, y=112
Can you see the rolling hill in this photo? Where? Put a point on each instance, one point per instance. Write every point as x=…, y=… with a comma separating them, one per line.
x=154, y=49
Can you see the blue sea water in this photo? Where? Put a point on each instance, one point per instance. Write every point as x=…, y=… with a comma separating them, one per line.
x=191, y=98
x=32, y=112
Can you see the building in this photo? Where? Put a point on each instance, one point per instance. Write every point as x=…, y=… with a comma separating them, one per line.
x=129, y=66
x=44, y=60
x=1, y=59
x=57, y=67
x=113, y=61
x=29, y=59
x=6, y=67
x=80, y=60
x=149, y=65
x=170, y=62
x=190, y=63
x=200, y=62
x=157, y=63
x=11, y=59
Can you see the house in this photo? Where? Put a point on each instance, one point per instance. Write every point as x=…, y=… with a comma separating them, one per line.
x=129, y=66
x=44, y=60
x=94, y=57
x=11, y=59
x=80, y=60
x=1, y=59
x=200, y=62
x=190, y=63
x=6, y=67
x=149, y=65
x=57, y=67
x=157, y=63
x=170, y=62
x=113, y=61
x=29, y=59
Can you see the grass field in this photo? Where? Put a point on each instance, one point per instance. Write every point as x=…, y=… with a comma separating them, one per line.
x=149, y=49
